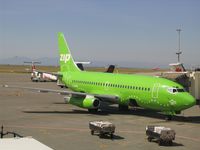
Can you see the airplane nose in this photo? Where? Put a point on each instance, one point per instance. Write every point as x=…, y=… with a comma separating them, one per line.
x=190, y=101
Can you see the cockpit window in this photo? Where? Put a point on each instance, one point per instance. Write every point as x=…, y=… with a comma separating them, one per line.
x=180, y=90
x=174, y=90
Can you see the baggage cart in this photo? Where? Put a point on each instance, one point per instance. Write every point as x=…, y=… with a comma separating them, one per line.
x=162, y=134
x=102, y=127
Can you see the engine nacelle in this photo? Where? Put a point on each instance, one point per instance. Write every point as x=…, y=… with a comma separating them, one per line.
x=89, y=102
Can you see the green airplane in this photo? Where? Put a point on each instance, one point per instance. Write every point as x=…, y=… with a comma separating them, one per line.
x=89, y=89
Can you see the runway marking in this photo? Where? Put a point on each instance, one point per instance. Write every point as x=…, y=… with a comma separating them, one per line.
x=86, y=130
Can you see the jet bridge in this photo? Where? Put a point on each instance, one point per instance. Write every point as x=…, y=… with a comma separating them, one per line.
x=195, y=84
x=190, y=80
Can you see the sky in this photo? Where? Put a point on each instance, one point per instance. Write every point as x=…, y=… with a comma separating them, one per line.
x=114, y=31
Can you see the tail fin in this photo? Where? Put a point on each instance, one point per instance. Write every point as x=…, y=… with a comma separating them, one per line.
x=66, y=60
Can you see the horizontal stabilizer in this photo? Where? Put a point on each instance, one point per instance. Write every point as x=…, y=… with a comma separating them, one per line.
x=110, y=69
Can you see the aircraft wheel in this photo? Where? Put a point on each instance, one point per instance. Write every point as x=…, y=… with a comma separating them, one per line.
x=170, y=143
x=160, y=142
x=93, y=110
x=123, y=107
x=168, y=117
x=149, y=139
x=111, y=135
x=92, y=132
x=101, y=135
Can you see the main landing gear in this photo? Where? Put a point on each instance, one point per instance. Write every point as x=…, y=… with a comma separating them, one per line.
x=168, y=117
x=93, y=111
x=123, y=107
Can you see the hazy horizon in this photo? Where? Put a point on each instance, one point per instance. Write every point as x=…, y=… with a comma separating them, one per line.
x=54, y=61
x=111, y=31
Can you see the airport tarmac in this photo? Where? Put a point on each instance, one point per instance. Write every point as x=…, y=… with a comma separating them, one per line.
x=45, y=117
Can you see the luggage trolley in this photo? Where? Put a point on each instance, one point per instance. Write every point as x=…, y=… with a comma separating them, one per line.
x=102, y=127
x=162, y=134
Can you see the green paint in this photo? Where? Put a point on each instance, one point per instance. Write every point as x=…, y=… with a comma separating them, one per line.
x=148, y=91
x=84, y=102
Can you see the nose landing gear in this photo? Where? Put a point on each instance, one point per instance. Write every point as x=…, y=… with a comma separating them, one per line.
x=168, y=117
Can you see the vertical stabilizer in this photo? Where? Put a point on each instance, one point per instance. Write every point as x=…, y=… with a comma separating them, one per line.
x=66, y=60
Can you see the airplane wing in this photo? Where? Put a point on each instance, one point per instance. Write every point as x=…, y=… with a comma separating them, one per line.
x=83, y=62
x=105, y=98
x=58, y=75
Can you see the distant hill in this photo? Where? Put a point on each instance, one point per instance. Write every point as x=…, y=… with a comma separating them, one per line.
x=45, y=61
x=20, y=61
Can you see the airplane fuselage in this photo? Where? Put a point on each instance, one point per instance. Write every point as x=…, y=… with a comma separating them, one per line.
x=148, y=91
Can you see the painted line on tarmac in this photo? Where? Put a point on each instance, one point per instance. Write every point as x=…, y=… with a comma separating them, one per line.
x=86, y=130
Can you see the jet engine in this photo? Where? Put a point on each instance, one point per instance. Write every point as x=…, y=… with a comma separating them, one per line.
x=88, y=102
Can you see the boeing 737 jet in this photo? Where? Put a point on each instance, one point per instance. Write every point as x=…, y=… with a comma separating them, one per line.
x=89, y=89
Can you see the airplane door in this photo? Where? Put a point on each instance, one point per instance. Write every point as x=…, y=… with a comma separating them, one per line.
x=155, y=90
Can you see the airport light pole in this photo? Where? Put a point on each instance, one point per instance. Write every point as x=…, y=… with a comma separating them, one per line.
x=179, y=44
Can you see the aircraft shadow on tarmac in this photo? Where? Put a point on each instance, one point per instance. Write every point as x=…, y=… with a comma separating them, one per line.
x=113, y=110
x=143, y=113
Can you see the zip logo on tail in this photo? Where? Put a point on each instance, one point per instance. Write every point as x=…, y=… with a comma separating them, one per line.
x=65, y=57
x=66, y=60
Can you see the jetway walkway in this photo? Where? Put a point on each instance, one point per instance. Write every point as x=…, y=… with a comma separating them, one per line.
x=194, y=89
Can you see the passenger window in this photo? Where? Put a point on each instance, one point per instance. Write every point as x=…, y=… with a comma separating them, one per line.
x=172, y=90
x=180, y=90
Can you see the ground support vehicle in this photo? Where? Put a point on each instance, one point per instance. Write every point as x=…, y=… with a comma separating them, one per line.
x=102, y=127
x=163, y=135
